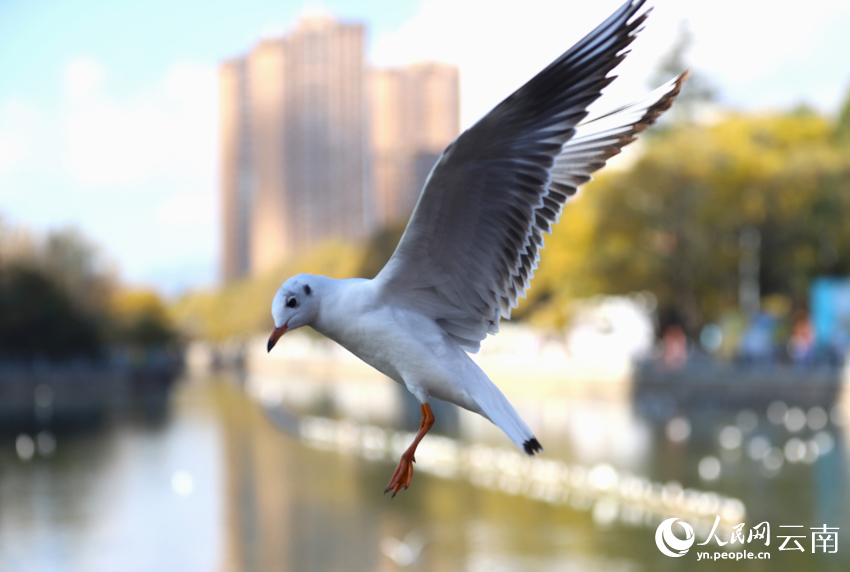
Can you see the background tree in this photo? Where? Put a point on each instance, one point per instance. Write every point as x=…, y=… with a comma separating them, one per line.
x=41, y=320
x=672, y=223
x=141, y=320
x=59, y=300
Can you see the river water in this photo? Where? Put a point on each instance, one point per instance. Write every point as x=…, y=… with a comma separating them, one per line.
x=217, y=486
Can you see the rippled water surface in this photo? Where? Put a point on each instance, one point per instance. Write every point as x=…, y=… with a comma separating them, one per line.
x=216, y=486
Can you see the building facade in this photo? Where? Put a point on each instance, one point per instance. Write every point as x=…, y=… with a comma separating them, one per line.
x=315, y=146
x=236, y=167
x=293, y=145
x=415, y=114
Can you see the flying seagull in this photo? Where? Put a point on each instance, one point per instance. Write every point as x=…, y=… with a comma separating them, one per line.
x=474, y=239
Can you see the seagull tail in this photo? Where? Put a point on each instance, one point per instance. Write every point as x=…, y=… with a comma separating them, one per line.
x=496, y=407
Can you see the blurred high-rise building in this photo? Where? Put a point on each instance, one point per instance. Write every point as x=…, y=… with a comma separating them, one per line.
x=235, y=161
x=293, y=156
x=298, y=161
x=415, y=115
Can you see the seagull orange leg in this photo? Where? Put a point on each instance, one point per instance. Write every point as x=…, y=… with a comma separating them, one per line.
x=404, y=472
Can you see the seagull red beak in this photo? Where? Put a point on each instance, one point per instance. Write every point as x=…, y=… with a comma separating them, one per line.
x=276, y=333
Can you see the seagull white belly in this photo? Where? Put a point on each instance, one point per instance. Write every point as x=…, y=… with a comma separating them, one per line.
x=413, y=350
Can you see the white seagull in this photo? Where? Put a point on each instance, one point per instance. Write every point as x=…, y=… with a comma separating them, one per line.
x=473, y=241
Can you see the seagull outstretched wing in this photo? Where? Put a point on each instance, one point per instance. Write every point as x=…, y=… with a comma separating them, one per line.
x=473, y=241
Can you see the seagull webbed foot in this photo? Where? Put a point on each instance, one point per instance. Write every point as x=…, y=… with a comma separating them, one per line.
x=402, y=476
x=404, y=472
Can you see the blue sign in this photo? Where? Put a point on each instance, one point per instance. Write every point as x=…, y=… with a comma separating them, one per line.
x=829, y=300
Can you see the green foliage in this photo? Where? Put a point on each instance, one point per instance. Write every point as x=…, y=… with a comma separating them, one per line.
x=379, y=250
x=41, y=320
x=140, y=319
x=58, y=301
x=671, y=224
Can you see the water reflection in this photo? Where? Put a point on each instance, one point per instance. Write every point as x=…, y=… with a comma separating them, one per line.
x=106, y=501
x=608, y=493
x=219, y=487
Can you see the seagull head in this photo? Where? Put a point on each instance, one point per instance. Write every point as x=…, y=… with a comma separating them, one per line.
x=295, y=304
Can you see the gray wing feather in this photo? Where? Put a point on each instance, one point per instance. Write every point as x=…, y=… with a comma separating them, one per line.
x=472, y=243
x=595, y=141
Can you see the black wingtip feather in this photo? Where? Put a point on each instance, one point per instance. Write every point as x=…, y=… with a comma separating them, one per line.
x=532, y=446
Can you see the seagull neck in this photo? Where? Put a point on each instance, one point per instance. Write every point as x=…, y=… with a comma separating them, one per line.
x=339, y=298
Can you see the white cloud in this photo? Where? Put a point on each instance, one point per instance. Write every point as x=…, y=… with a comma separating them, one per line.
x=167, y=131
x=20, y=125
x=186, y=210
x=496, y=48
x=743, y=45
x=83, y=76
x=273, y=30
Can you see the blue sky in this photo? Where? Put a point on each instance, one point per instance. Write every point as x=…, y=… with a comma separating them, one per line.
x=108, y=108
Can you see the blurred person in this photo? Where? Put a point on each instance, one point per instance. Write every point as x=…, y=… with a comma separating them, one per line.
x=757, y=346
x=675, y=347
x=801, y=345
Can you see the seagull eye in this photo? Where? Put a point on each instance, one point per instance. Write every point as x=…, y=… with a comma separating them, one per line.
x=291, y=303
